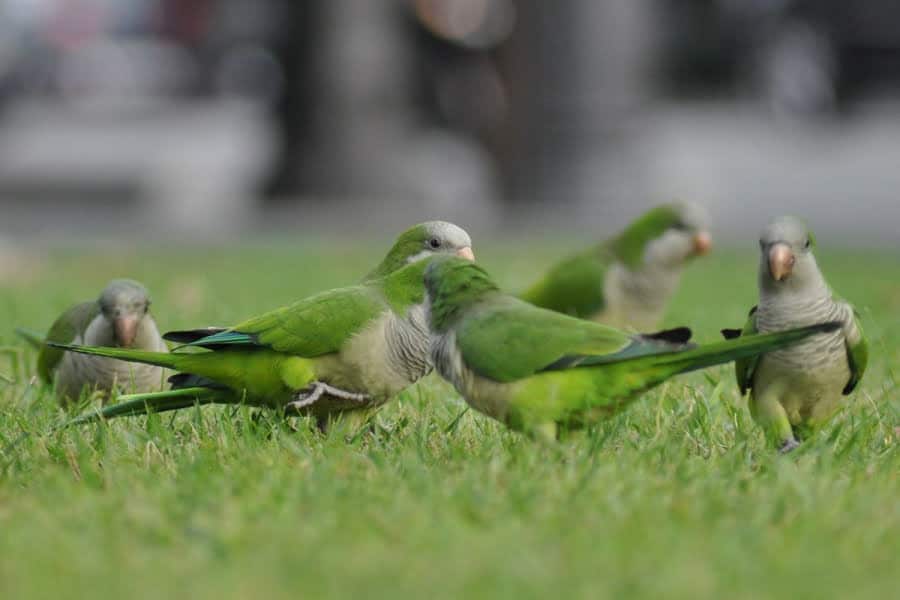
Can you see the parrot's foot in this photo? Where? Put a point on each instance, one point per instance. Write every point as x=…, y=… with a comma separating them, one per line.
x=308, y=398
x=789, y=445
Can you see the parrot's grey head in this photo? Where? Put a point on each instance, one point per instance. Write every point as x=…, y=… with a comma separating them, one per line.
x=786, y=256
x=441, y=237
x=667, y=235
x=124, y=303
x=422, y=241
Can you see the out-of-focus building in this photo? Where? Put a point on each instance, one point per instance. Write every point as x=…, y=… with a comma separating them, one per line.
x=199, y=115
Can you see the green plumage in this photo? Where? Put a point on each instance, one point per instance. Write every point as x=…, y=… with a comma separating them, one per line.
x=275, y=356
x=574, y=286
x=795, y=391
x=857, y=356
x=745, y=368
x=69, y=325
x=629, y=245
x=535, y=369
x=577, y=284
x=340, y=350
x=311, y=327
x=120, y=316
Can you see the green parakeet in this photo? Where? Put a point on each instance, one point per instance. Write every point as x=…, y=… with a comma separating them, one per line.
x=794, y=390
x=627, y=281
x=120, y=317
x=341, y=350
x=537, y=370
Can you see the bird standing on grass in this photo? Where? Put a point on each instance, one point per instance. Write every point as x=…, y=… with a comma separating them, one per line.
x=627, y=281
x=120, y=317
x=794, y=390
x=339, y=351
x=537, y=370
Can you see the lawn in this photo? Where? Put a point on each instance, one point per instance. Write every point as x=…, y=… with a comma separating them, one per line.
x=677, y=497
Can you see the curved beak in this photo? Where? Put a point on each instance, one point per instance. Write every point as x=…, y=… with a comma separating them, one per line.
x=126, y=330
x=702, y=243
x=466, y=252
x=781, y=261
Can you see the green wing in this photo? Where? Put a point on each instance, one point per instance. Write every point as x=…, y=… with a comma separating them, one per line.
x=314, y=326
x=857, y=352
x=744, y=367
x=506, y=339
x=573, y=286
x=64, y=330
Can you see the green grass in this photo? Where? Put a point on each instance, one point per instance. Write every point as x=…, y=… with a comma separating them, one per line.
x=677, y=497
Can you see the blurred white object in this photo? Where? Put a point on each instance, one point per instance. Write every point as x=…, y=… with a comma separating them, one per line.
x=193, y=167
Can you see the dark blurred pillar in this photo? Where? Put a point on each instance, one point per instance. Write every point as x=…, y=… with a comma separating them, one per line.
x=294, y=111
x=579, y=81
x=350, y=94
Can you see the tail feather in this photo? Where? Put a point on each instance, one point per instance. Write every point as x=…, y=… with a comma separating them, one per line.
x=678, y=336
x=34, y=339
x=180, y=381
x=159, y=359
x=189, y=336
x=155, y=402
x=738, y=348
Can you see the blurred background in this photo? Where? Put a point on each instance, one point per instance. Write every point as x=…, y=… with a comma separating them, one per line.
x=196, y=119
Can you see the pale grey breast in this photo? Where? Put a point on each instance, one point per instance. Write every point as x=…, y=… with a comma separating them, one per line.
x=449, y=363
x=649, y=287
x=815, y=352
x=407, y=340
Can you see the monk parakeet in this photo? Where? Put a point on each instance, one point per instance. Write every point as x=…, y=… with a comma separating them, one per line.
x=537, y=370
x=627, y=281
x=340, y=350
x=120, y=317
x=793, y=390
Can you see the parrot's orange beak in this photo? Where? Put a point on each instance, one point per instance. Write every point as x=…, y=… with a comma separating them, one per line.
x=781, y=261
x=126, y=330
x=702, y=243
x=466, y=252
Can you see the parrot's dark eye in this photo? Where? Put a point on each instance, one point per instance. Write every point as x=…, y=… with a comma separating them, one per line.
x=807, y=244
x=434, y=243
x=680, y=226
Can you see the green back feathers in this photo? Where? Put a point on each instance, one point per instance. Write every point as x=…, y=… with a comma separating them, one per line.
x=405, y=287
x=629, y=245
x=408, y=244
x=322, y=323
x=453, y=285
x=314, y=326
x=502, y=337
x=573, y=286
x=745, y=368
x=510, y=339
x=857, y=357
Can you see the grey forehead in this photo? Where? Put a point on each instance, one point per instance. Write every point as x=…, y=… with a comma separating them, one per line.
x=784, y=229
x=123, y=291
x=449, y=232
x=694, y=215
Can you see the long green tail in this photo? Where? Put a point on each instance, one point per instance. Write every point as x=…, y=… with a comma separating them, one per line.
x=154, y=402
x=159, y=359
x=34, y=339
x=742, y=347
